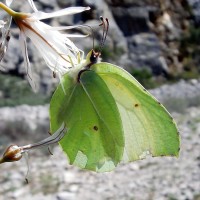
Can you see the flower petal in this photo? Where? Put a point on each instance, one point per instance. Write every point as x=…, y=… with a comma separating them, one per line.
x=33, y=5
x=53, y=45
x=67, y=11
x=29, y=74
x=61, y=28
x=8, y=2
x=75, y=35
x=53, y=50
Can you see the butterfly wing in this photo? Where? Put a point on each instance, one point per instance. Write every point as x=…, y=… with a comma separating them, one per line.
x=94, y=139
x=148, y=128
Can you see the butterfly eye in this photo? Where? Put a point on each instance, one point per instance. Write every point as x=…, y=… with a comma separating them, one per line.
x=94, y=57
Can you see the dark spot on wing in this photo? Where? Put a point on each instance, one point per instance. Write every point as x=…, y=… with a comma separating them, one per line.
x=96, y=128
x=136, y=105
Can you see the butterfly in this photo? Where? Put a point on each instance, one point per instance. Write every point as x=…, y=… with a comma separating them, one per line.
x=110, y=117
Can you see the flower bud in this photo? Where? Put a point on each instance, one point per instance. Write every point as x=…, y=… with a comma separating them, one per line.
x=13, y=153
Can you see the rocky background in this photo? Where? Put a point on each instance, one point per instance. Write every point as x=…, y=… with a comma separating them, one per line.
x=52, y=178
x=155, y=40
x=152, y=39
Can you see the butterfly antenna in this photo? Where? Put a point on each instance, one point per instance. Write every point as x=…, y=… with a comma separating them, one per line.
x=102, y=24
x=105, y=24
x=102, y=38
x=107, y=28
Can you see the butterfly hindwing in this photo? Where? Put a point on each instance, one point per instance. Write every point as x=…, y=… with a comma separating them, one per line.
x=148, y=127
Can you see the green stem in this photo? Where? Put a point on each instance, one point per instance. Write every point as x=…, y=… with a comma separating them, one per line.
x=8, y=10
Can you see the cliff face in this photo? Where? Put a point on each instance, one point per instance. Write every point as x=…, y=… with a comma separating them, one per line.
x=152, y=34
x=153, y=30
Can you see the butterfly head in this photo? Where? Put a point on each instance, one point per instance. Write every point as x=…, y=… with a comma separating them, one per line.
x=93, y=57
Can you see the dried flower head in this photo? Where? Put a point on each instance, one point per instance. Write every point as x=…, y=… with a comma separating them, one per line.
x=14, y=153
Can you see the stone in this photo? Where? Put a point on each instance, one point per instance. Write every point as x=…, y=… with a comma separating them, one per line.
x=73, y=188
x=26, y=120
x=66, y=195
x=95, y=4
x=1, y=94
x=48, y=5
x=12, y=57
x=131, y=20
x=171, y=177
x=128, y=19
x=65, y=3
x=195, y=6
x=152, y=59
x=125, y=3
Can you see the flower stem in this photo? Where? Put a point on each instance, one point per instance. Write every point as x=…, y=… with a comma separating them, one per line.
x=8, y=10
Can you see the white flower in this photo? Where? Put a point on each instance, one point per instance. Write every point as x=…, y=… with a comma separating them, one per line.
x=8, y=2
x=58, y=51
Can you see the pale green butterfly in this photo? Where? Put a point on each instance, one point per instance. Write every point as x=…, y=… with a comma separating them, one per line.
x=110, y=118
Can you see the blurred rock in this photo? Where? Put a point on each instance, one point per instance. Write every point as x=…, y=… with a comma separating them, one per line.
x=153, y=59
x=180, y=90
x=131, y=20
x=52, y=178
x=65, y=3
x=147, y=33
x=13, y=56
x=95, y=4
x=195, y=6
x=1, y=94
x=143, y=33
x=66, y=195
x=24, y=121
x=51, y=3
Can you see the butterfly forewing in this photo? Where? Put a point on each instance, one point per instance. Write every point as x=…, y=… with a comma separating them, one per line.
x=95, y=138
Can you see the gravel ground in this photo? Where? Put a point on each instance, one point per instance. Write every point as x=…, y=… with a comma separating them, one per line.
x=52, y=178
